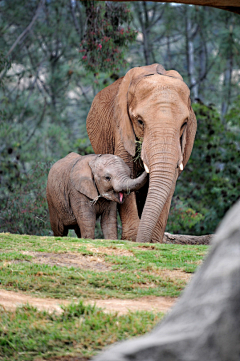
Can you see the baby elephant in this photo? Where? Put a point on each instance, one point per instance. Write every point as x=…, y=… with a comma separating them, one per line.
x=80, y=188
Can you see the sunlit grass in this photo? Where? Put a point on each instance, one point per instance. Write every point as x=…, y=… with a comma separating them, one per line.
x=80, y=330
x=132, y=269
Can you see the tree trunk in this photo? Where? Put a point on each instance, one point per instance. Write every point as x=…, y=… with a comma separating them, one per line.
x=227, y=85
x=190, y=55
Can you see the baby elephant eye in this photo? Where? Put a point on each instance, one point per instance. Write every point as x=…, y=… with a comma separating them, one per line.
x=140, y=122
x=108, y=178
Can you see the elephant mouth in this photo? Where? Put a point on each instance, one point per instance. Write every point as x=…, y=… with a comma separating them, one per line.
x=118, y=197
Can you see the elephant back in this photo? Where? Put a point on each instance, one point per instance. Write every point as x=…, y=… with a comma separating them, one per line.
x=100, y=124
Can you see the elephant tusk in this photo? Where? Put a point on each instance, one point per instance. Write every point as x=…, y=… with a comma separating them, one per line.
x=146, y=168
x=181, y=166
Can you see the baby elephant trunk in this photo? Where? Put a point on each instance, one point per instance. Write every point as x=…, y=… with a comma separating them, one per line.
x=131, y=185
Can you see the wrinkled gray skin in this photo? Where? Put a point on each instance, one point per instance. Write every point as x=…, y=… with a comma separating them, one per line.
x=80, y=188
x=204, y=325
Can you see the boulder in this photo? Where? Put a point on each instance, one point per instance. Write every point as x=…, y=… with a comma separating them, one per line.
x=204, y=324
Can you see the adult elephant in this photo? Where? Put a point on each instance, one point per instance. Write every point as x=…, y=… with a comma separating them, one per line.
x=151, y=107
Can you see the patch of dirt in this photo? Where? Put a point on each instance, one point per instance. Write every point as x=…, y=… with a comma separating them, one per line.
x=199, y=262
x=10, y=300
x=173, y=274
x=147, y=247
x=144, y=285
x=115, y=251
x=70, y=260
x=148, y=303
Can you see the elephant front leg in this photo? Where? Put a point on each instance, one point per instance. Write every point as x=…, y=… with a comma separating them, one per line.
x=86, y=223
x=85, y=215
x=129, y=218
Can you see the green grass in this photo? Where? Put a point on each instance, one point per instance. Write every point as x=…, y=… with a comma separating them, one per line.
x=131, y=270
x=129, y=276
x=28, y=334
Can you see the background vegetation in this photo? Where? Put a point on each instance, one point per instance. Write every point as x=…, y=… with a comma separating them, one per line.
x=53, y=62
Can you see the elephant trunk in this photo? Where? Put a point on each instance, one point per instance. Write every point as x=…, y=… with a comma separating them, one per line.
x=130, y=185
x=163, y=175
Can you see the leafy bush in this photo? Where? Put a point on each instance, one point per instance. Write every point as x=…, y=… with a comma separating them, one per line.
x=183, y=217
x=24, y=210
x=210, y=184
x=106, y=36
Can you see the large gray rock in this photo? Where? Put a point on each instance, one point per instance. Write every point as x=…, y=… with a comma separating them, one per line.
x=204, y=325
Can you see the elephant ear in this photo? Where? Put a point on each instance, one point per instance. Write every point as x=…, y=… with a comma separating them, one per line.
x=82, y=179
x=189, y=135
x=121, y=113
x=121, y=106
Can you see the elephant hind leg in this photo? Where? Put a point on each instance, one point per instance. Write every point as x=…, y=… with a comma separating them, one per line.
x=58, y=228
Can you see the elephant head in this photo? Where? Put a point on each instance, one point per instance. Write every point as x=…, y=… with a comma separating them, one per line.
x=105, y=176
x=154, y=105
x=112, y=177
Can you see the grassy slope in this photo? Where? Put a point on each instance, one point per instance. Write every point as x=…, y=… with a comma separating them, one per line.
x=134, y=270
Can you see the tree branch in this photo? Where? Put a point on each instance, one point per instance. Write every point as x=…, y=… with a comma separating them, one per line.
x=38, y=123
x=74, y=19
x=28, y=28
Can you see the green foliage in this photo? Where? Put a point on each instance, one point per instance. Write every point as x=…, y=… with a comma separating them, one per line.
x=83, y=146
x=106, y=36
x=233, y=116
x=24, y=209
x=138, y=145
x=183, y=219
x=210, y=184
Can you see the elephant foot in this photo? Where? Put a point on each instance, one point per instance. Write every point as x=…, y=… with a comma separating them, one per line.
x=130, y=235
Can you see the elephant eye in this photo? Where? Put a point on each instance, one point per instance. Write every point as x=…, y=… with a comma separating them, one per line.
x=140, y=122
x=108, y=178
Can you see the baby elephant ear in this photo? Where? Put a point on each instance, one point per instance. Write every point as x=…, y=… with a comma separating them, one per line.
x=82, y=179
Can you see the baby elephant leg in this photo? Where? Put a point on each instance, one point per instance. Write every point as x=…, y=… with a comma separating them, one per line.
x=86, y=224
x=109, y=221
x=85, y=215
x=58, y=228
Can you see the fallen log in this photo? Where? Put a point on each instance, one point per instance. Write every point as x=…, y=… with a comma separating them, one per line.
x=186, y=239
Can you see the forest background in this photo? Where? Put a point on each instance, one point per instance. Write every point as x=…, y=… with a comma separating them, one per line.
x=55, y=55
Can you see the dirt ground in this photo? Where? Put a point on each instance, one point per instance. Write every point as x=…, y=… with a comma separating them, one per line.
x=9, y=300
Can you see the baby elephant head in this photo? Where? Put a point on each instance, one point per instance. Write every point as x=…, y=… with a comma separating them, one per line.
x=112, y=177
